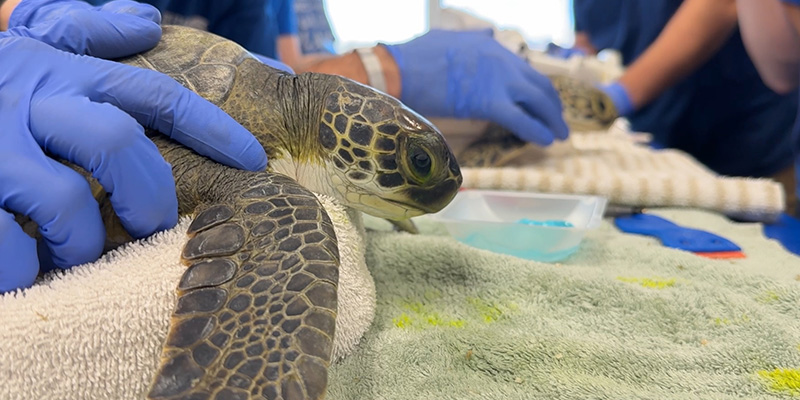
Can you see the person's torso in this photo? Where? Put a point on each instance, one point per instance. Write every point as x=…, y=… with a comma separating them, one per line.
x=314, y=29
x=722, y=113
x=254, y=24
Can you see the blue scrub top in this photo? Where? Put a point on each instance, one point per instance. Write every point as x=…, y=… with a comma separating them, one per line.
x=722, y=114
x=254, y=24
x=314, y=29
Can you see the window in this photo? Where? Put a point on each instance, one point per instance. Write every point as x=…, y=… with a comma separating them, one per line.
x=359, y=23
x=539, y=21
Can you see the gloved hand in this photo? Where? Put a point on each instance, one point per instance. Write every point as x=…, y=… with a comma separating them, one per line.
x=116, y=29
x=90, y=112
x=468, y=74
x=273, y=63
x=620, y=97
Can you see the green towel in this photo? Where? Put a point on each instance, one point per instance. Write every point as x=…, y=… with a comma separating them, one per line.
x=623, y=318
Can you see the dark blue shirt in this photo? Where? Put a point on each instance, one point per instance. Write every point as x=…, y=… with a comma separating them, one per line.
x=254, y=24
x=722, y=114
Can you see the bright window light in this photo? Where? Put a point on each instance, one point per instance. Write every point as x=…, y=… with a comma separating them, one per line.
x=359, y=23
x=539, y=21
x=364, y=23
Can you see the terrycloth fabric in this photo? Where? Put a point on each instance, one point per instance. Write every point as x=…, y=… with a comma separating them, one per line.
x=613, y=164
x=95, y=332
x=623, y=318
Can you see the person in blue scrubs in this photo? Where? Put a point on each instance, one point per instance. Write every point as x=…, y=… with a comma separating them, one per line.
x=771, y=33
x=313, y=27
x=690, y=82
x=236, y=20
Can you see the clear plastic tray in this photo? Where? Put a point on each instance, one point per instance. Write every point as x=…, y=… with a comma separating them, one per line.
x=491, y=220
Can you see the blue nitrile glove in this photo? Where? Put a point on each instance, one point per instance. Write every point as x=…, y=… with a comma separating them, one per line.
x=90, y=111
x=468, y=74
x=116, y=29
x=619, y=96
x=557, y=51
x=273, y=63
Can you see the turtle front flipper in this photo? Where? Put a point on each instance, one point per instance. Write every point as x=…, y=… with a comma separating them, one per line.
x=257, y=306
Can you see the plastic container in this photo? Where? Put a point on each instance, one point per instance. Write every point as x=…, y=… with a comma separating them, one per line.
x=494, y=220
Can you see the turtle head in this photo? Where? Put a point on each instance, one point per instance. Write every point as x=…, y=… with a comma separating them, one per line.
x=387, y=160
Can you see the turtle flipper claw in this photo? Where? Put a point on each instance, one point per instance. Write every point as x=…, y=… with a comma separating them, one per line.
x=257, y=306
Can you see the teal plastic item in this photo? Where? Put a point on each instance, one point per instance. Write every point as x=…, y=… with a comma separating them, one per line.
x=534, y=226
x=565, y=224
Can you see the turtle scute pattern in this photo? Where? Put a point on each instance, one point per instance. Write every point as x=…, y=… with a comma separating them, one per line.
x=256, y=311
x=586, y=108
x=378, y=143
x=356, y=124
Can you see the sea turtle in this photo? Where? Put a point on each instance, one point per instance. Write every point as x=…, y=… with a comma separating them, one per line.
x=257, y=305
x=585, y=108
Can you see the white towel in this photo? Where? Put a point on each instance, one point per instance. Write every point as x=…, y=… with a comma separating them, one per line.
x=95, y=331
x=616, y=165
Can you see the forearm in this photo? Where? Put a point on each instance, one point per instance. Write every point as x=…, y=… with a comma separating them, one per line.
x=6, y=7
x=306, y=61
x=584, y=43
x=771, y=42
x=290, y=53
x=349, y=65
x=694, y=34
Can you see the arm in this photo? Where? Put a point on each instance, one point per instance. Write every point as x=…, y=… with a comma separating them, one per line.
x=583, y=43
x=6, y=7
x=695, y=33
x=46, y=102
x=771, y=42
x=290, y=52
x=466, y=75
x=349, y=65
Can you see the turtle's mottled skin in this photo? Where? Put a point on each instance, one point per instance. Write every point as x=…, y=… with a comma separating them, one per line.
x=585, y=108
x=257, y=305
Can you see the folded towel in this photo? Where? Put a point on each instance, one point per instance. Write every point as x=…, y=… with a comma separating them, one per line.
x=95, y=331
x=614, y=164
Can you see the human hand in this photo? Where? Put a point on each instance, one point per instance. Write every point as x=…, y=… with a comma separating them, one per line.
x=620, y=97
x=116, y=29
x=90, y=112
x=468, y=74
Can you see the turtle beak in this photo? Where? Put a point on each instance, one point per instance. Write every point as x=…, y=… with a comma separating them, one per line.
x=433, y=199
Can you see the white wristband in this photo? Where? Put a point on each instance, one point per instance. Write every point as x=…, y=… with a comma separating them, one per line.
x=373, y=67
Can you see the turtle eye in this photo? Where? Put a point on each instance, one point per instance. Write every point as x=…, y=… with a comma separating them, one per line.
x=421, y=163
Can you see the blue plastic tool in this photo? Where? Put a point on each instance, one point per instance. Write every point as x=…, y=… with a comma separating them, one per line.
x=785, y=230
x=679, y=237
